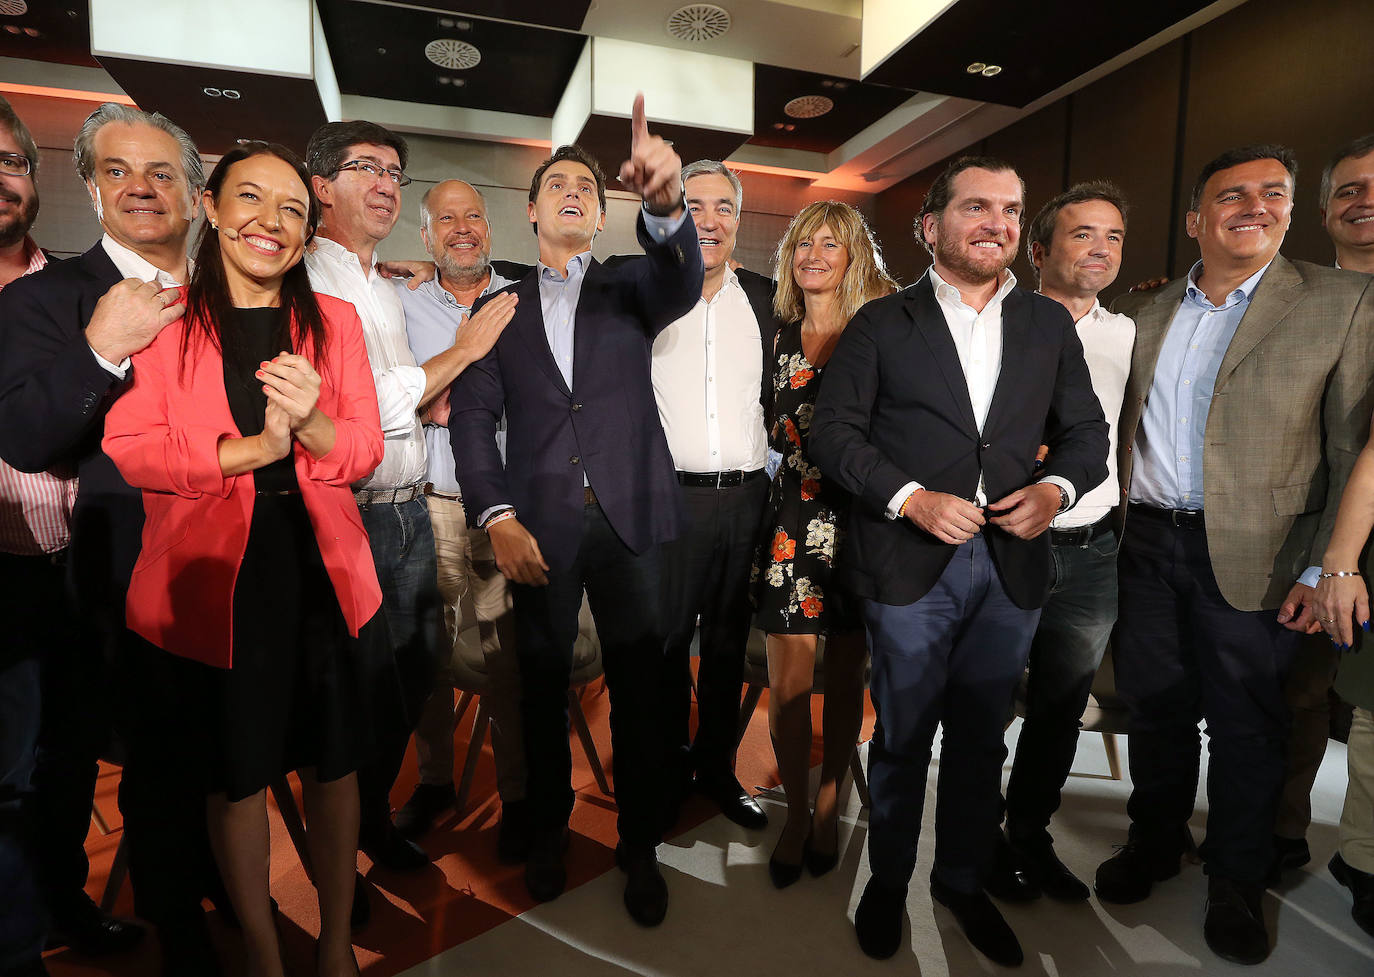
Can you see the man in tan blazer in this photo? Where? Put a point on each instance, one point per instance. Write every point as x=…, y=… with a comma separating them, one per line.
x=1248, y=400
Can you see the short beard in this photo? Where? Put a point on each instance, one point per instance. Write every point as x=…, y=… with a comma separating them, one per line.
x=953, y=257
x=15, y=229
x=451, y=271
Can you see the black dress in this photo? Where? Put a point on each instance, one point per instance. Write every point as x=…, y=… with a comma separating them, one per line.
x=297, y=693
x=795, y=590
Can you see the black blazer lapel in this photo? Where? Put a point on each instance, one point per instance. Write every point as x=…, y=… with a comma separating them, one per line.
x=585, y=338
x=930, y=323
x=1015, y=329
x=96, y=262
x=529, y=323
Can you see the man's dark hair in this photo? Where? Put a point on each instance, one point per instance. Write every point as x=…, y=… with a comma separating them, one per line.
x=577, y=155
x=10, y=120
x=1244, y=154
x=1042, y=227
x=1351, y=150
x=938, y=196
x=329, y=145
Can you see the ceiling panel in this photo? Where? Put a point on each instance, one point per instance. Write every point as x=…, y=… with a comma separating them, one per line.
x=1037, y=46
x=379, y=50
x=856, y=105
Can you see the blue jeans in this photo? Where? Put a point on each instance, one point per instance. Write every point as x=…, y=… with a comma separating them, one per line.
x=1064, y=654
x=954, y=657
x=402, y=543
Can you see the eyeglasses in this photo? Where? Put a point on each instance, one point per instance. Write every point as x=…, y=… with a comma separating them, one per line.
x=372, y=170
x=16, y=164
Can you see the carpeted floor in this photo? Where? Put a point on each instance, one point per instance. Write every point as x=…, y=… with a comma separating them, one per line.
x=470, y=915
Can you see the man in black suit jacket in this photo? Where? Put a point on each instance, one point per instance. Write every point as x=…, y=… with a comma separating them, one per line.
x=68, y=332
x=710, y=374
x=587, y=491
x=933, y=407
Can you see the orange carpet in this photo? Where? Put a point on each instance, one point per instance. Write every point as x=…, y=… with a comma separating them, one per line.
x=463, y=894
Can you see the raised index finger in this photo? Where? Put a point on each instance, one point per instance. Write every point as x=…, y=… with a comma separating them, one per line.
x=639, y=126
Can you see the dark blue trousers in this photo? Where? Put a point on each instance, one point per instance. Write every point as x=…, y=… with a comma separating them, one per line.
x=954, y=657
x=1182, y=655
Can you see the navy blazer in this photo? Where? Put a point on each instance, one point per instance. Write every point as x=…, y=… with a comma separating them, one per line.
x=894, y=407
x=53, y=401
x=606, y=426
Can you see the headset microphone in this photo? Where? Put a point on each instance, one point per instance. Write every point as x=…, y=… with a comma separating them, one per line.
x=230, y=233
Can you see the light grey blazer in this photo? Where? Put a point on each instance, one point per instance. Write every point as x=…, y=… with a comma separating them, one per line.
x=1289, y=415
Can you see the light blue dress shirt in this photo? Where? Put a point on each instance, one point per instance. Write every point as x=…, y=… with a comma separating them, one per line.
x=1167, y=471
x=432, y=318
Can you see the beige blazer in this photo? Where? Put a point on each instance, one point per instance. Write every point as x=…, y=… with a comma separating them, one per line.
x=1289, y=414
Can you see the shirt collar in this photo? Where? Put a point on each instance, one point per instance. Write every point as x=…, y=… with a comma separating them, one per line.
x=334, y=251
x=1241, y=293
x=731, y=280
x=950, y=292
x=577, y=264
x=435, y=289
x=131, y=264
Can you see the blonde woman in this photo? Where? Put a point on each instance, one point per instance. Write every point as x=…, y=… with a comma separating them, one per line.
x=827, y=266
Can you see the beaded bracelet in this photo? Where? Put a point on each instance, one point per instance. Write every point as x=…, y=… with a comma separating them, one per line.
x=906, y=502
x=1327, y=575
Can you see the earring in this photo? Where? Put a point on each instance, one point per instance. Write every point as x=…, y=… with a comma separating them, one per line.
x=214, y=225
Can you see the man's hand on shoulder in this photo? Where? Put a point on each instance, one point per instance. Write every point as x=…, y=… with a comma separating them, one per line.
x=517, y=553
x=478, y=333
x=1027, y=512
x=415, y=273
x=129, y=316
x=948, y=518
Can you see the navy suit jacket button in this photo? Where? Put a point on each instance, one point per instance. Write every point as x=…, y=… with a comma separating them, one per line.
x=574, y=460
x=576, y=406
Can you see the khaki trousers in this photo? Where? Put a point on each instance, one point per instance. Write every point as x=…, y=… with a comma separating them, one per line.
x=1357, y=818
x=473, y=590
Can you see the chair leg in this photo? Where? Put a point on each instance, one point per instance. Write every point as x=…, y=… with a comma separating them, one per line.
x=119, y=868
x=101, y=824
x=291, y=817
x=480, y=724
x=746, y=709
x=1113, y=758
x=461, y=708
x=579, y=723
x=856, y=767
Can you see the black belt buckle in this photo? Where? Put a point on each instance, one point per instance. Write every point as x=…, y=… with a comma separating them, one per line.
x=716, y=480
x=1076, y=536
x=588, y=496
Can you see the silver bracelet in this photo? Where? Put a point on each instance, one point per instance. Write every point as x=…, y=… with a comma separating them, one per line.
x=1327, y=575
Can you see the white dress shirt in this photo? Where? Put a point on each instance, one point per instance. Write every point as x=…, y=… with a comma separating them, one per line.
x=131, y=264
x=1108, y=339
x=978, y=341
x=706, y=369
x=334, y=270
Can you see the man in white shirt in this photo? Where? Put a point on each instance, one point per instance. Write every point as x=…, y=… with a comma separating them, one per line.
x=707, y=375
x=457, y=235
x=69, y=332
x=1076, y=244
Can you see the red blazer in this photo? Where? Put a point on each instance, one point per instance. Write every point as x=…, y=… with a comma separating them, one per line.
x=164, y=434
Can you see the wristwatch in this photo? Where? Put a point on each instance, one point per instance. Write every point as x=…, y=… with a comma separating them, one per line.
x=1064, y=499
x=680, y=202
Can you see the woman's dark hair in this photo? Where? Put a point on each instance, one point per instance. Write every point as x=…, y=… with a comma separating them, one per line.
x=208, y=304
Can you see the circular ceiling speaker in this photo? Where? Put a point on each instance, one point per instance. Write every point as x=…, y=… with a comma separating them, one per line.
x=13, y=8
x=808, y=106
x=448, y=52
x=698, y=22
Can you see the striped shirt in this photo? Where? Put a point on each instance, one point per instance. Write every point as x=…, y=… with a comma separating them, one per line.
x=35, y=509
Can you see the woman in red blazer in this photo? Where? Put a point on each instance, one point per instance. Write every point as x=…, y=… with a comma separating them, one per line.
x=245, y=424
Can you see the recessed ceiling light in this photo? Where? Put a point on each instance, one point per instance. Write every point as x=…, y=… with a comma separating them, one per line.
x=992, y=71
x=698, y=22
x=975, y=68
x=13, y=8
x=453, y=54
x=808, y=106
x=12, y=29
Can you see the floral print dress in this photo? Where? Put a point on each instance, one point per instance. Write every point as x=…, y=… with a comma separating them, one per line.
x=794, y=587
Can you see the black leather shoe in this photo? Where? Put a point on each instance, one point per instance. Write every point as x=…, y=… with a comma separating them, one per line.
x=186, y=948
x=419, y=813
x=783, y=873
x=646, y=894
x=513, y=835
x=982, y=924
x=878, y=919
x=1361, y=886
x=1130, y=874
x=388, y=848
x=1009, y=879
x=545, y=876
x=360, y=913
x=820, y=862
x=82, y=925
x=736, y=803
x=1289, y=854
x=1234, y=926
x=1050, y=874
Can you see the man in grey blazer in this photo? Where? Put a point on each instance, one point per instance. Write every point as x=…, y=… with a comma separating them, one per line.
x=1248, y=400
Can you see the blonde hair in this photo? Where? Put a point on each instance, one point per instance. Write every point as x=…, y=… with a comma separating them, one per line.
x=865, y=279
